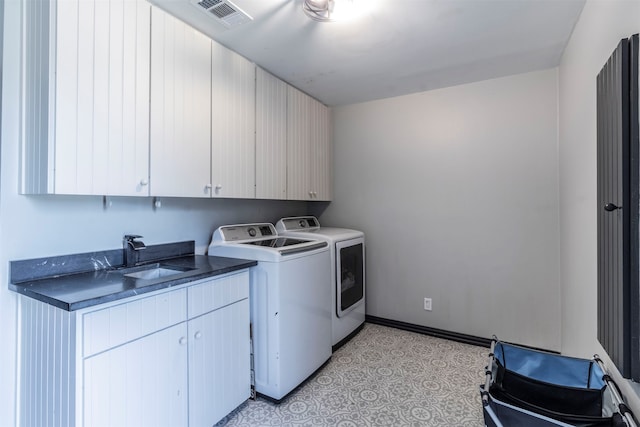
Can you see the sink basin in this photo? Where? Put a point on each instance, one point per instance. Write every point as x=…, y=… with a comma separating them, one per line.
x=153, y=271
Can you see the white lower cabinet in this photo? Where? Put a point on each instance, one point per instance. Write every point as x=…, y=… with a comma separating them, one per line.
x=172, y=358
x=142, y=383
x=218, y=355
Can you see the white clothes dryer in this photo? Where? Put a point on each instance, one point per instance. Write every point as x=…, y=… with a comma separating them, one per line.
x=289, y=303
x=347, y=251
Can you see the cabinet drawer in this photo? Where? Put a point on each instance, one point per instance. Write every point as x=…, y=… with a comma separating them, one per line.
x=211, y=295
x=116, y=325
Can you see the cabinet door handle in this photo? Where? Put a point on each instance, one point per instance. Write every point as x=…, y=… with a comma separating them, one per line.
x=197, y=335
x=182, y=340
x=610, y=207
x=143, y=182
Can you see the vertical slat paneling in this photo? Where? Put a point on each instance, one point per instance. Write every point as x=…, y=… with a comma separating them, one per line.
x=271, y=136
x=120, y=160
x=218, y=347
x=142, y=78
x=125, y=386
x=99, y=81
x=87, y=44
x=233, y=124
x=329, y=150
x=35, y=151
x=634, y=204
x=217, y=293
x=134, y=146
x=46, y=396
x=66, y=149
x=298, y=155
x=180, y=158
x=98, y=155
x=321, y=152
x=116, y=325
x=110, y=172
x=613, y=226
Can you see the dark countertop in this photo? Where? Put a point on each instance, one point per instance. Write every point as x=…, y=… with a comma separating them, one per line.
x=73, y=291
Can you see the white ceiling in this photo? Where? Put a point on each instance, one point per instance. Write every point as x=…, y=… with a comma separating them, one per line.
x=398, y=47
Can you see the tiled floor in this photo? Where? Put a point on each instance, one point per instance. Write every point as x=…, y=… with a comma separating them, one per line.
x=382, y=377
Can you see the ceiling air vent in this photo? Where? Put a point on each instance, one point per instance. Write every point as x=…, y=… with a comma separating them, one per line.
x=223, y=11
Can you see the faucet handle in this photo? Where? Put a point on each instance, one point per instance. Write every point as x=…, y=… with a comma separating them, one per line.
x=130, y=240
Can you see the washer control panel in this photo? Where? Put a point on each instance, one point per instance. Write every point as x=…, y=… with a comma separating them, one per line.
x=232, y=233
x=299, y=223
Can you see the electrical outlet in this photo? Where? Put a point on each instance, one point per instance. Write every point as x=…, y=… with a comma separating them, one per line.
x=427, y=304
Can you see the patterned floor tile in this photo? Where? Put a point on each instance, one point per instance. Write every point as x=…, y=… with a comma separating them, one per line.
x=382, y=377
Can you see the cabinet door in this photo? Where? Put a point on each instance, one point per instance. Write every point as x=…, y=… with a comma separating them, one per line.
x=101, y=101
x=271, y=136
x=142, y=383
x=233, y=124
x=180, y=108
x=321, y=152
x=309, y=136
x=219, y=365
x=298, y=145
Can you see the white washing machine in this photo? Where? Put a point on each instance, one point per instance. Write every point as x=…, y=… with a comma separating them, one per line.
x=289, y=303
x=347, y=281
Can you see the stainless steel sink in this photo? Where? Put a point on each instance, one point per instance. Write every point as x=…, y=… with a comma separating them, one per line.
x=153, y=271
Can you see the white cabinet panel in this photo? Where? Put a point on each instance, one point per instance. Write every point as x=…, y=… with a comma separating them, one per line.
x=271, y=136
x=46, y=374
x=217, y=293
x=308, y=148
x=232, y=124
x=298, y=145
x=97, y=57
x=142, y=383
x=180, y=108
x=321, y=149
x=219, y=363
x=118, y=324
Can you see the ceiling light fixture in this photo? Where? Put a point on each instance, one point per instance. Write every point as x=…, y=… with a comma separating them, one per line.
x=328, y=10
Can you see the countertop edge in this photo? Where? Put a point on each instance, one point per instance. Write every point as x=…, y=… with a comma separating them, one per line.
x=156, y=287
x=153, y=286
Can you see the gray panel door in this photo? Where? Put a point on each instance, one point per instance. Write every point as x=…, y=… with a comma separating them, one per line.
x=618, y=209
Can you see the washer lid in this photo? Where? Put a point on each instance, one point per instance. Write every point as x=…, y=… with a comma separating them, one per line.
x=256, y=241
x=278, y=242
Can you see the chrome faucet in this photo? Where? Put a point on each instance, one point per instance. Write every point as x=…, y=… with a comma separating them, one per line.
x=131, y=248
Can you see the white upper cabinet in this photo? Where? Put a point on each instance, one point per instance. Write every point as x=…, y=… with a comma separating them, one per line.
x=180, y=108
x=86, y=98
x=321, y=152
x=233, y=124
x=298, y=145
x=121, y=98
x=308, y=148
x=271, y=136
